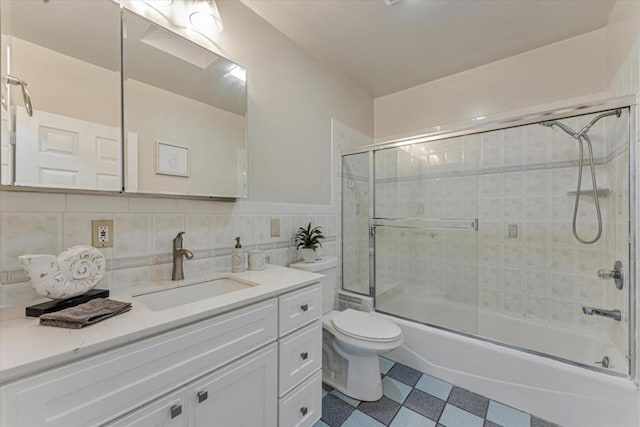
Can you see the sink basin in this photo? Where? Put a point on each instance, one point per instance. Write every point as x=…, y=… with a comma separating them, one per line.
x=168, y=298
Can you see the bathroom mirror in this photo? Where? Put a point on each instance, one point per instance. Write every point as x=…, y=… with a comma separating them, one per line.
x=62, y=58
x=184, y=115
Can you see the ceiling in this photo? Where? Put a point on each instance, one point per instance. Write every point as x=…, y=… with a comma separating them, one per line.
x=385, y=49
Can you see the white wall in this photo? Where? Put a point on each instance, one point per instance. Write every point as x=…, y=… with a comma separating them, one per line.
x=567, y=69
x=292, y=98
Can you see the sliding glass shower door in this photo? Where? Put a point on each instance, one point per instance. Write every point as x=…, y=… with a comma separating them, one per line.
x=475, y=232
x=425, y=222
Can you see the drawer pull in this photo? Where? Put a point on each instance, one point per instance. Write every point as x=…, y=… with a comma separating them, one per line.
x=304, y=355
x=202, y=396
x=176, y=410
x=304, y=410
x=304, y=307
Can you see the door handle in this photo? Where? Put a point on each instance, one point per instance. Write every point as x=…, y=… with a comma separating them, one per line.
x=202, y=396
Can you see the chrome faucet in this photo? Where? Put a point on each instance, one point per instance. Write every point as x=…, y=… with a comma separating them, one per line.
x=613, y=314
x=178, y=257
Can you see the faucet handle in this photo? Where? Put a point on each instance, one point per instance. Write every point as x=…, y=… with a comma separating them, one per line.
x=177, y=241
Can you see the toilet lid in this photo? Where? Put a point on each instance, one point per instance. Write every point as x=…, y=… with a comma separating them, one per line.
x=365, y=326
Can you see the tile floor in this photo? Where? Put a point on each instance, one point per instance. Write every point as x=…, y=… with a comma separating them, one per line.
x=413, y=399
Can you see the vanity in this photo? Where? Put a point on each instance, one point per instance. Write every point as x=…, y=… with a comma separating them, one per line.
x=251, y=357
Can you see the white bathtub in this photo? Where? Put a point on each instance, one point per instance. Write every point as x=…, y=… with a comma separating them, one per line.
x=569, y=395
x=572, y=345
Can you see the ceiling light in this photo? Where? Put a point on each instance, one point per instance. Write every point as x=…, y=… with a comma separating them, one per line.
x=480, y=118
x=391, y=2
x=205, y=18
x=237, y=72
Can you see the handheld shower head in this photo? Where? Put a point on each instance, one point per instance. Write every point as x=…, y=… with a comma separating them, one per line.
x=585, y=129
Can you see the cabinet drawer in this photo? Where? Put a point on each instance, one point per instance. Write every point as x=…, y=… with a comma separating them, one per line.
x=299, y=308
x=300, y=355
x=303, y=406
x=169, y=411
x=100, y=388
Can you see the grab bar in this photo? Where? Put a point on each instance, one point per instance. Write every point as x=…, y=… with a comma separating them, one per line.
x=427, y=223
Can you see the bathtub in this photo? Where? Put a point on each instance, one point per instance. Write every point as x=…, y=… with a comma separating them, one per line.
x=568, y=395
x=570, y=345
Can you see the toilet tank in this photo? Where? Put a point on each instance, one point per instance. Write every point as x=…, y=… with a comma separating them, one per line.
x=325, y=265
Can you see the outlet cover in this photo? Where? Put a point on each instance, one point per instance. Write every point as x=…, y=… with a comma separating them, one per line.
x=275, y=227
x=102, y=233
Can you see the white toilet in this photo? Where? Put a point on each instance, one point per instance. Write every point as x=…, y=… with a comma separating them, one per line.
x=351, y=340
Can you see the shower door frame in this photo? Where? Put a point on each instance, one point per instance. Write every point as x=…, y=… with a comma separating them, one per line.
x=474, y=127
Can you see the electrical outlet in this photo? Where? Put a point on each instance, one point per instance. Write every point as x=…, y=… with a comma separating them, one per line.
x=102, y=233
x=275, y=227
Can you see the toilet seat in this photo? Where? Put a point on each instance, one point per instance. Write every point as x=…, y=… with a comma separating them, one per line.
x=365, y=326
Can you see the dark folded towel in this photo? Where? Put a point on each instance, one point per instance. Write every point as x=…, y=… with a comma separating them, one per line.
x=85, y=314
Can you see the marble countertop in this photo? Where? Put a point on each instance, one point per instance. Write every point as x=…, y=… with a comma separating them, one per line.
x=26, y=347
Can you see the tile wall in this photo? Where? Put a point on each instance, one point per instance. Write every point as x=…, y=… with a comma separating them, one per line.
x=516, y=178
x=144, y=229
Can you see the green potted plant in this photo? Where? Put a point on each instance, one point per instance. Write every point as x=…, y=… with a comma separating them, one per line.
x=309, y=239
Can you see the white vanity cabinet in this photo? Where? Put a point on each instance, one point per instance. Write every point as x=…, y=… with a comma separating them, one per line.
x=234, y=370
x=239, y=395
x=300, y=357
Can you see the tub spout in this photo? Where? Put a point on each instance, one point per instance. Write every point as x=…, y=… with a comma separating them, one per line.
x=613, y=314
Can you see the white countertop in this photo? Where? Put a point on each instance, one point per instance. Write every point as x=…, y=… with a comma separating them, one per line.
x=26, y=347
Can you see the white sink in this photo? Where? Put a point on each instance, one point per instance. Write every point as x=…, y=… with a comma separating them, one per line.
x=168, y=298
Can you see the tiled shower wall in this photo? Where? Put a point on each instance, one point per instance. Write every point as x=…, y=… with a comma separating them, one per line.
x=144, y=229
x=517, y=177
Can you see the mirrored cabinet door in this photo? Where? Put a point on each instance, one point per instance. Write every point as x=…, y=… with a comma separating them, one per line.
x=61, y=101
x=184, y=115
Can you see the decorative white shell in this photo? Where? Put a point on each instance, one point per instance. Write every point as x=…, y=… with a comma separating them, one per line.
x=73, y=272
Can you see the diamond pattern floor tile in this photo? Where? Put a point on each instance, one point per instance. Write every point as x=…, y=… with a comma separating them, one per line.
x=382, y=410
x=335, y=411
x=408, y=418
x=414, y=399
x=434, y=386
x=360, y=419
x=469, y=401
x=404, y=374
x=452, y=416
x=425, y=404
x=395, y=390
x=506, y=416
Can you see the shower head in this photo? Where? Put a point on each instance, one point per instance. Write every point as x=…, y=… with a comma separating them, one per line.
x=584, y=130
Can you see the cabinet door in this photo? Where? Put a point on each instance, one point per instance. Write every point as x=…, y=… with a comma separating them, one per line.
x=241, y=395
x=169, y=411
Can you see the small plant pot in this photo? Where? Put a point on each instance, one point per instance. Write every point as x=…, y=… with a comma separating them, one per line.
x=308, y=255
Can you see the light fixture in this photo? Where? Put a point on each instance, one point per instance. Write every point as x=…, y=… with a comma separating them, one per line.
x=237, y=72
x=479, y=118
x=205, y=18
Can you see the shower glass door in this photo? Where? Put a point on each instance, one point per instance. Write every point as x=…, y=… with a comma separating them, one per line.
x=425, y=222
x=477, y=233
x=356, y=195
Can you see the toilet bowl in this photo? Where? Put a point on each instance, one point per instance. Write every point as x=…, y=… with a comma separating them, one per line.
x=351, y=343
x=351, y=340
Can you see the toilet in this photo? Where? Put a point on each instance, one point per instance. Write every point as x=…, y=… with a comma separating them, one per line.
x=351, y=340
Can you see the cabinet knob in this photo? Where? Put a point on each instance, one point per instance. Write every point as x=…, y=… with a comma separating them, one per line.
x=304, y=307
x=304, y=410
x=304, y=355
x=176, y=410
x=202, y=396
